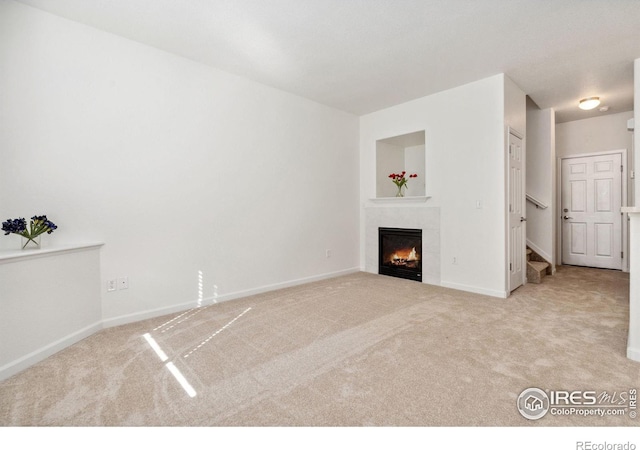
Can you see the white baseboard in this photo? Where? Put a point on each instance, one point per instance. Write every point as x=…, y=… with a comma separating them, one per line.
x=437, y=281
x=434, y=281
x=286, y=284
x=474, y=289
x=40, y=354
x=150, y=314
x=633, y=353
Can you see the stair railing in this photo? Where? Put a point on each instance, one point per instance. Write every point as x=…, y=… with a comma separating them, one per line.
x=536, y=202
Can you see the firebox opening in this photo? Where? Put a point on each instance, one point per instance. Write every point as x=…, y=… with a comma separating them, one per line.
x=400, y=253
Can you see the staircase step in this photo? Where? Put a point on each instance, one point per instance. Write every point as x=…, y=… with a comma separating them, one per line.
x=529, y=251
x=536, y=270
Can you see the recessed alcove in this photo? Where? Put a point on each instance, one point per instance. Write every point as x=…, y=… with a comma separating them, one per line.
x=401, y=153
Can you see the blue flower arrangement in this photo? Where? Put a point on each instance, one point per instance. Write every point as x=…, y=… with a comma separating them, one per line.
x=37, y=226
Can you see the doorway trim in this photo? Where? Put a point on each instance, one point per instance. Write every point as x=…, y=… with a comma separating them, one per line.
x=519, y=135
x=624, y=187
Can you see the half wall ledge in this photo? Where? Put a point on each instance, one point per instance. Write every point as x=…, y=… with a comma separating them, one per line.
x=9, y=256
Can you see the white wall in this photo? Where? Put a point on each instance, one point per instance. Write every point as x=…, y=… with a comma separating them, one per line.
x=415, y=163
x=594, y=135
x=515, y=109
x=541, y=181
x=633, y=342
x=177, y=167
x=636, y=136
x=390, y=159
x=465, y=163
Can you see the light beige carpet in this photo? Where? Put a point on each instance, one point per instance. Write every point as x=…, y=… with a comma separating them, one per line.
x=358, y=350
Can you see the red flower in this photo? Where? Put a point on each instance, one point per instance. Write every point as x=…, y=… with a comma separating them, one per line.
x=399, y=179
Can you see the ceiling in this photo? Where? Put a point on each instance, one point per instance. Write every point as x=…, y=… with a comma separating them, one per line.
x=364, y=55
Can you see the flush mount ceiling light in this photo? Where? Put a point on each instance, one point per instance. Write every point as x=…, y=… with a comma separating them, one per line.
x=589, y=103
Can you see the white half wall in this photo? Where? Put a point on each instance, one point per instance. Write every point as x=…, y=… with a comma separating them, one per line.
x=201, y=184
x=49, y=300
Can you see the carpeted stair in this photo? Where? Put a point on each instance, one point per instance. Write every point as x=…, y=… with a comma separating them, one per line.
x=537, y=267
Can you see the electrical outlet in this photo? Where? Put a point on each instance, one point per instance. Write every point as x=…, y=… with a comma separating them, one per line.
x=328, y=253
x=112, y=285
x=123, y=283
x=455, y=261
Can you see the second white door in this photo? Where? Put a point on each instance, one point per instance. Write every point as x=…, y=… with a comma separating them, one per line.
x=517, y=241
x=591, y=218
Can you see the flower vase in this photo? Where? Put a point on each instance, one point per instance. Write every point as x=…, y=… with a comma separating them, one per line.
x=31, y=243
x=400, y=193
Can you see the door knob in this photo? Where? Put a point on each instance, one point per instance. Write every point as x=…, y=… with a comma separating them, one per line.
x=522, y=219
x=567, y=217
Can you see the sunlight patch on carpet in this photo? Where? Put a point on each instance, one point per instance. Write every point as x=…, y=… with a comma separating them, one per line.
x=181, y=379
x=217, y=332
x=156, y=348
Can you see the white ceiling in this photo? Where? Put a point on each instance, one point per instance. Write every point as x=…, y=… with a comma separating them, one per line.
x=364, y=55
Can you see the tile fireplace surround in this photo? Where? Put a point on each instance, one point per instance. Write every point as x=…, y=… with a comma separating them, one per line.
x=404, y=216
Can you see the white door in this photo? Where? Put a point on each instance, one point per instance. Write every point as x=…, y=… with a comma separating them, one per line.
x=517, y=243
x=591, y=217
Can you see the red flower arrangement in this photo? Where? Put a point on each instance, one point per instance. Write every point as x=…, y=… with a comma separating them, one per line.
x=400, y=180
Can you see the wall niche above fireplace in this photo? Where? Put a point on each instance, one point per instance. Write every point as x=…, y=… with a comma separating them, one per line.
x=396, y=154
x=400, y=253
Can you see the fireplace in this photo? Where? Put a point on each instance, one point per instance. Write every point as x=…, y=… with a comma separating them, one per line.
x=400, y=253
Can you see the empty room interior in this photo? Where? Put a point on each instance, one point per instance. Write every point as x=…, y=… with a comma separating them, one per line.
x=319, y=213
